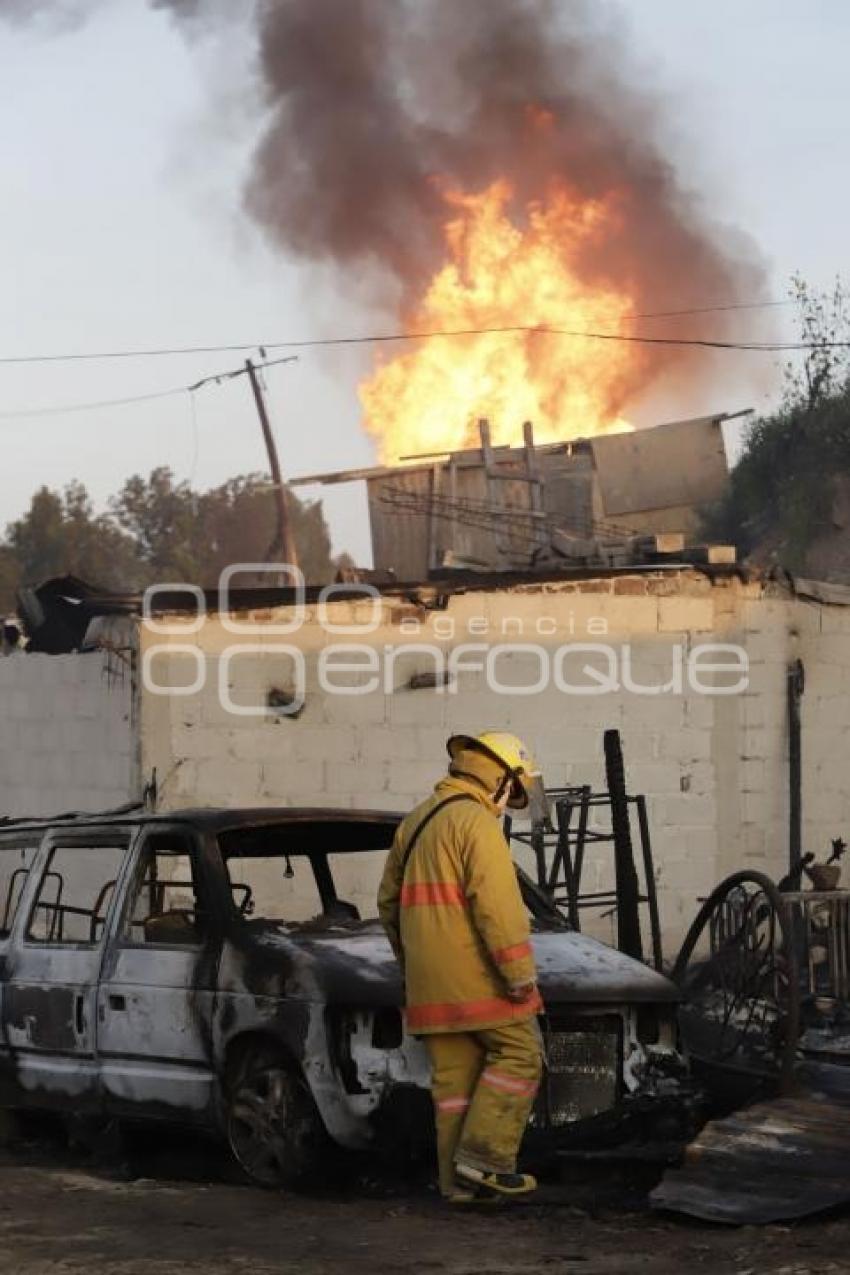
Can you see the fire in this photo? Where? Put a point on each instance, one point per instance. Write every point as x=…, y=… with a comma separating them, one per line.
x=501, y=274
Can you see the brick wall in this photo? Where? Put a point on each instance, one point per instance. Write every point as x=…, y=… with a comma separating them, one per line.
x=714, y=767
x=66, y=736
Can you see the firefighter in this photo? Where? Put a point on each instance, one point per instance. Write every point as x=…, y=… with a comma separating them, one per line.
x=450, y=903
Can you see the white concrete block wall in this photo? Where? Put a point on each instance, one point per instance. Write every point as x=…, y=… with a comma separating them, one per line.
x=714, y=768
x=67, y=739
x=824, y=646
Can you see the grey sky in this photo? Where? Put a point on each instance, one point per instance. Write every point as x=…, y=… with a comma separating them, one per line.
x=122, y=155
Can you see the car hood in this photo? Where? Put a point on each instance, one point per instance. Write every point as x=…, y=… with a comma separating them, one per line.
x=353, y=964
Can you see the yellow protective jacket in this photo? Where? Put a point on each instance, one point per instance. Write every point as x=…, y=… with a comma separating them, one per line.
x=455, y=916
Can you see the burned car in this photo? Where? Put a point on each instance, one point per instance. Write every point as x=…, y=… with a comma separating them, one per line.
x=205, y=967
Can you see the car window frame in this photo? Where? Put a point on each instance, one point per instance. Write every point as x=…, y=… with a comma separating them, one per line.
x=134, y=870
x=25, y=840
x=89, y=837
x=320, y=873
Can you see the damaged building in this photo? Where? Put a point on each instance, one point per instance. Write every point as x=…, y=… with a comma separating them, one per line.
x=265, y=728
x=606, y=500
x=587, y=611
x=347, y=699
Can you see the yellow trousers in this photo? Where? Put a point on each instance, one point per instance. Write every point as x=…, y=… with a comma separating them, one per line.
x=483, y=1085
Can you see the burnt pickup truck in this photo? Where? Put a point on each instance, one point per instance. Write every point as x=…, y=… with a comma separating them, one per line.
x=204, y=967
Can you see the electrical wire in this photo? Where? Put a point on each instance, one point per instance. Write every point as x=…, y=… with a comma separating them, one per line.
x=158, y=352
x=490, y=516
x=29, y=412
x=715, y=309
x=761, y=347
x=773, y=347
x=215, y=379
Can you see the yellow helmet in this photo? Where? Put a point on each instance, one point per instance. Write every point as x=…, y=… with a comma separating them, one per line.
x=521, y=770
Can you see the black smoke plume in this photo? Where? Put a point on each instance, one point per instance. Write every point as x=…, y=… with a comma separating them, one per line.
x=373, y=106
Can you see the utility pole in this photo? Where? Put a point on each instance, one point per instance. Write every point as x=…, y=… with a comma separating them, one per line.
x=283, y=545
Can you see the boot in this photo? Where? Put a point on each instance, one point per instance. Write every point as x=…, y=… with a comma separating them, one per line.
x=476, y=1197
x=501, y=1183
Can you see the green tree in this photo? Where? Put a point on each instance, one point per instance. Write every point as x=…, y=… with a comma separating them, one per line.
x=239, y=521
x=161, y=518
x=824, y=323
x=10, y=578
x=61, y=535
x=185, y=535
x=157, y=530
x=796, y=462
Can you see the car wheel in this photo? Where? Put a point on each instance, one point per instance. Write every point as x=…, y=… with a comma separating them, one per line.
x=273, y=1127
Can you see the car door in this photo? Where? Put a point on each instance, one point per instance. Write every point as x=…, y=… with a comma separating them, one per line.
x=53, y=963
x=17, y=856
x=156, y=993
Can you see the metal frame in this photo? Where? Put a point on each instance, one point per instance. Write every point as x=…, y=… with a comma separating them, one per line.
x=559, y=853
x=751, y=966
x=820, y=922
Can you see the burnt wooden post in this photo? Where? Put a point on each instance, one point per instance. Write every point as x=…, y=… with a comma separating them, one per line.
x=535, y=479
x=628, y=894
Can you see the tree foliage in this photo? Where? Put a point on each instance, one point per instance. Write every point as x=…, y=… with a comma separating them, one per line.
x=61, y=535
x=159, y=516
x=156, y=529
x=824, y=322
x=782, y=492
x=10, y=579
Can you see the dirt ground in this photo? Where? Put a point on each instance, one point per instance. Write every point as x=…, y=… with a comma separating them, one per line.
x=60, y=1213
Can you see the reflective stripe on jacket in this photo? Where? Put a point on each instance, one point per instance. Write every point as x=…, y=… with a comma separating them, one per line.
x=455, y=917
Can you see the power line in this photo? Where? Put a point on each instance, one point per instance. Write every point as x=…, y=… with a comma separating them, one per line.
x=26, y=412
x=141, y=354
x=715, y=309
x=507, y=329
x=215, y=379
x=158, y=352
x=760, y=347
x=545, y=330
x=764, y=347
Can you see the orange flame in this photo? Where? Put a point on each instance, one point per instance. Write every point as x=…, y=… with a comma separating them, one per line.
x=502, y=275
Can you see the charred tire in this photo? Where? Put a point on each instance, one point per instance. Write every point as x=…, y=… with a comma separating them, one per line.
x=273, y=1128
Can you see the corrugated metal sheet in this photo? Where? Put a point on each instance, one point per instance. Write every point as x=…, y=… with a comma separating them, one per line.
x=781, y=1159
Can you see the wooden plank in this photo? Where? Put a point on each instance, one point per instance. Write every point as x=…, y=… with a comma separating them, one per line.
x=714, y=555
